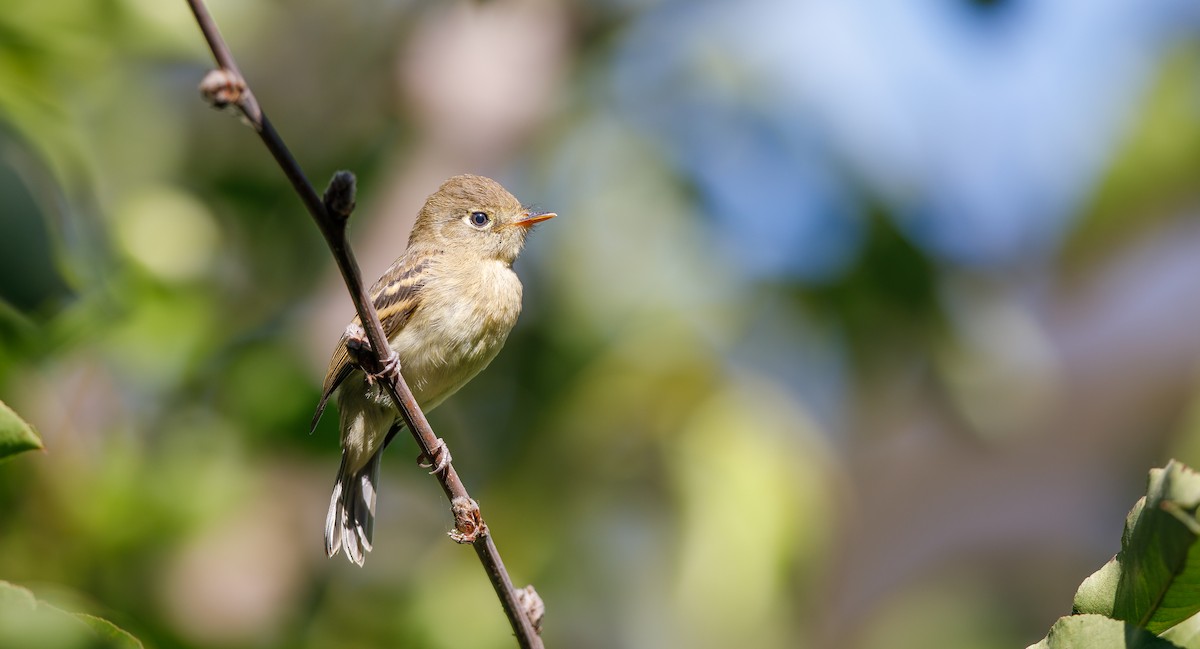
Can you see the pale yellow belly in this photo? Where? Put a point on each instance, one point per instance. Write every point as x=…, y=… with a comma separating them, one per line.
x=440, y=350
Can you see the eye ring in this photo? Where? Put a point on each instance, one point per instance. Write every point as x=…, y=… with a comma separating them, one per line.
x=479, y=219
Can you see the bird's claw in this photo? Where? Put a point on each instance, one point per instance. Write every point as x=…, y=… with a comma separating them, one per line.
x=390, y=366
x=440, y=460
x=357, y=343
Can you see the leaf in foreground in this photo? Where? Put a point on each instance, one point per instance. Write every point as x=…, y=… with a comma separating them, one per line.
x=1099, y=632
x=27, y=622
x=1154, y=581
x=16, y=435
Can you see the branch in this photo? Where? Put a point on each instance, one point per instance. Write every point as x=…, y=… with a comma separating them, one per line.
x=226, y=87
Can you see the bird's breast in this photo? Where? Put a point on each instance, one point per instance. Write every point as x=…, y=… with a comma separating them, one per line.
x=460, y=326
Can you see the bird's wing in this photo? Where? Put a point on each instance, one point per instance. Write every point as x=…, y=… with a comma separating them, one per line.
x=396, y=296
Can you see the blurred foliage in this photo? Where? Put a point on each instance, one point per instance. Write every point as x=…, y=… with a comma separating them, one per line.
x=825, y=349
x=26, y=622
x=1158, y=165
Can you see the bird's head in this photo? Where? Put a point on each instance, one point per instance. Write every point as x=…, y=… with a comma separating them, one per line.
x=475, y=215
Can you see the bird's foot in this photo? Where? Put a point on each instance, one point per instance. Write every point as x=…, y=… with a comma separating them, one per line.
x=357, y=343
x=440, y=460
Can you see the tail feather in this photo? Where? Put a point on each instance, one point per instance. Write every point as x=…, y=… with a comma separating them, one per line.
x=351, y=519
x=333, y=537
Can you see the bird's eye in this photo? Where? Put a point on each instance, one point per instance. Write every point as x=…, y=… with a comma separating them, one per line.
x=479, y=219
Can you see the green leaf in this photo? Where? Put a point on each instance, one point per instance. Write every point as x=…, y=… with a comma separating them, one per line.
x=1098, y=592
x=16, y=436
x=1099, y=632
x=1185, y=634
x=1154, y=581
x=15, y=598
x=27, y=622
x=112, y=635
x=1160, y=559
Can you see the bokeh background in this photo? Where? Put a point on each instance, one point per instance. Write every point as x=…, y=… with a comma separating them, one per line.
x=860, y=327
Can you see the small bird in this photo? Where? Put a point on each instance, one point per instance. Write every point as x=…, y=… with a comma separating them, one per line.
x=446, y=306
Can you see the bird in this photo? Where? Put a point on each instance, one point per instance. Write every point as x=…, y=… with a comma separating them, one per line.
x=447, y=305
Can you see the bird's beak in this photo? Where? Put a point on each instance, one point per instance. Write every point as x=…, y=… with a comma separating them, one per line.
x=529, y=218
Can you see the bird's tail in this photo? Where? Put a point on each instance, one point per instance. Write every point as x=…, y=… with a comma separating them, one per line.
x=351, y=518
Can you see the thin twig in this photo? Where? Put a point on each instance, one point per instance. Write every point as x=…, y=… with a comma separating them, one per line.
x=227, y=85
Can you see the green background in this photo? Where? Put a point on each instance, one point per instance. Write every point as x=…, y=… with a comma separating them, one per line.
x=675, y=451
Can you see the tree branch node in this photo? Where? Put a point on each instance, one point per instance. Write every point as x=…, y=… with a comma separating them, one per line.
x=222, y=88
x=339, y=195
x=533, y=606
x=468, y=521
